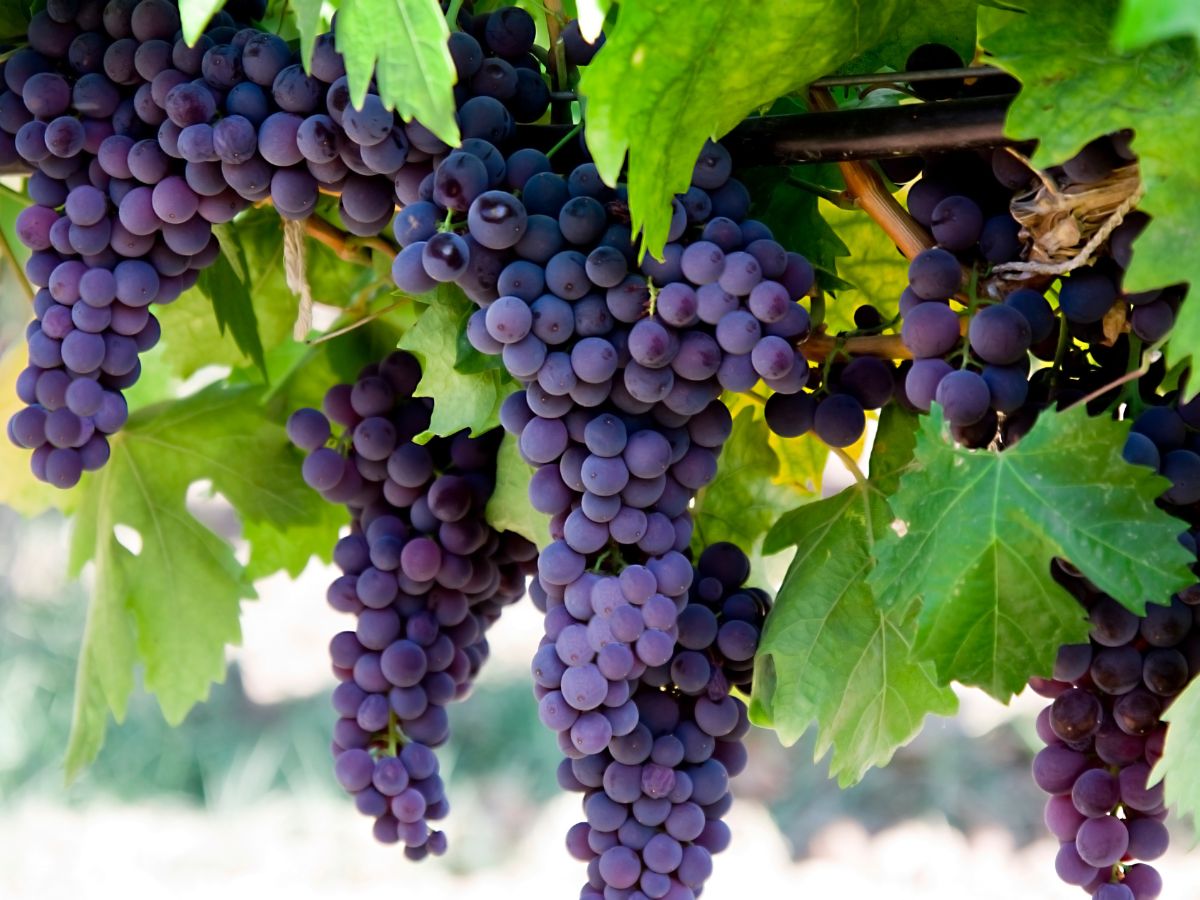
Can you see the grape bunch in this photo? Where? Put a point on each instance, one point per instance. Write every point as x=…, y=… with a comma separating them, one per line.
x=1104, y=730
x=652, y=746
x=965, y=204
x=424, y=576
x=139, y=144
x=70, y=110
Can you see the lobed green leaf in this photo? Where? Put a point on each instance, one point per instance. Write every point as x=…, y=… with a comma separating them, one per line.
x=828, y=652
x=976, y=531
x=170, y=604
x=672, y=75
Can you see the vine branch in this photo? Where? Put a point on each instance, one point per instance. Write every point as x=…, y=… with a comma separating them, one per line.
x=866, y=187
x=819, y=347
x=348, y=247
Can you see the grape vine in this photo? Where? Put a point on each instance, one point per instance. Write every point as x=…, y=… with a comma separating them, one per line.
x=624, y=364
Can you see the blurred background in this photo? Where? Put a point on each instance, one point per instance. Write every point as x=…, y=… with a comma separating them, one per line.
x=240, y=799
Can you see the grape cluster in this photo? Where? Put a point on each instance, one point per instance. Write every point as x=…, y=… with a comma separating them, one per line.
x=139, y=144
x=425, y=577
x=1104, y=731
x=965, y=204
x=73, y=111
x=651, y=745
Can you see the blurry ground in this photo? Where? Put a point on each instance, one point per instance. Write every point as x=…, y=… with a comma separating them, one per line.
x=239, y=802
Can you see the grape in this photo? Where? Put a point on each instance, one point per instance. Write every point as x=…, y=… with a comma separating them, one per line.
x=1102, y=841
x=1071, y=867
x=1086, y=295
x=964, y=396
x=934, y=275
x=582, y=220
x=277, y=139
x=839, y=420
x=930, y=330
x=790, y=415
x=459, y=180
x=445, y=256
x=999, y=335
x=1182, y=467
x=1153, y=321
x=956, y=223
x=1000, y=240
x=64, y=136
x=1055, y=769
x=510, y=31
x=497, y=220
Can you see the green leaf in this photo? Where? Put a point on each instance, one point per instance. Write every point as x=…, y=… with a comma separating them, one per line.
x=828, y=653
x=891, y=454
x=275, y=549
x=874, y=270
x=195, y=16
x=976, y=531
x=14, y=20
x=1142, y=22
x=229, y=293
x=1067, y=99
x=172, y=606
x=947, y=22
x=403, y=44
x=591, y=17
x=509, y=508
x=745, y=499
x=464, y=400
x=1179, y=764
x=674, y=74
x=310, y=22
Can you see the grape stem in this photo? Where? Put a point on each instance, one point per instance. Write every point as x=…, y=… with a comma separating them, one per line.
x=1148, y=357
x=882, y=346
x=347, y=247
x=564, y=140
x=840, y=199
x=559, y=71
x=358, y=323
x=866, y=187
x=452, y=14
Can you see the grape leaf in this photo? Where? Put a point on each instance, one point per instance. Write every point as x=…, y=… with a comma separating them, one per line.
x=228, y=291
x=195, y=16
x=509, y=508
x=828, y=653
x=874, y=271
x=1067, y=99
x=1142, y=22
x=1179, y=764
x=275, y=549
x=591, y=17
x=171, y=605
x=403, y=44
x=745, y=499
x=947, y=22
x=310, y=22
x=464, y=400
x=14, y=21
x=976, y=531
x=674, y=74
